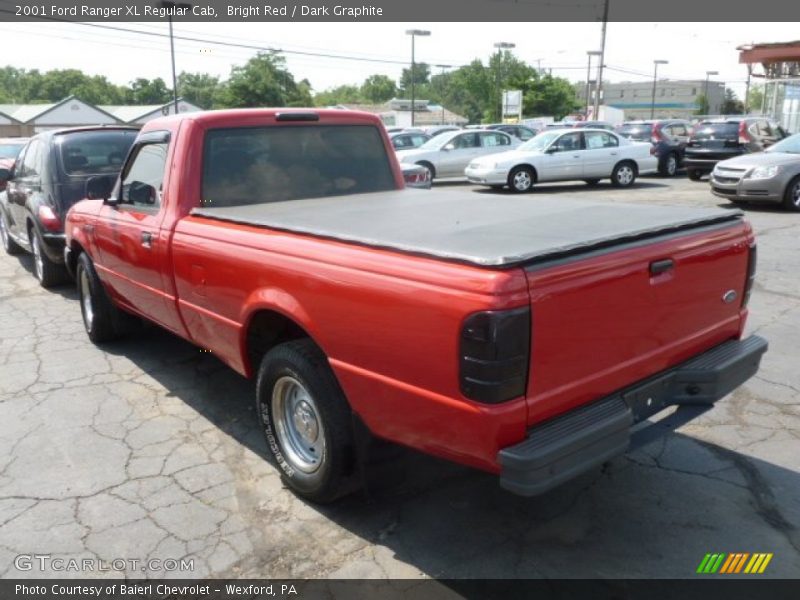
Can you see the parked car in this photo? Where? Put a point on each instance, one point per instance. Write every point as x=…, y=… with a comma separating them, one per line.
x=440, y=129
x=563, y=155
x=668, y=136
x=448, y=154
x=416, y=176
x=594, y=125
x=403, y=140
x=525, y=339
x=521, y=132
x=11, y=147
x=50, y=175
x=770, y=176
x=714, y=140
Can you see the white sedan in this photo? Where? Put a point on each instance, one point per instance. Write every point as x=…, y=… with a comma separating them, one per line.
x=563, y=155
x=447, y=154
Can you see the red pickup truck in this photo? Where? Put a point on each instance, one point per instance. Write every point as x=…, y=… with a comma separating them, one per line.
x=528, y=338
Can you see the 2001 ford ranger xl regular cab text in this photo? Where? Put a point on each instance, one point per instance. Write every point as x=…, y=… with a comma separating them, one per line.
x=525, y=337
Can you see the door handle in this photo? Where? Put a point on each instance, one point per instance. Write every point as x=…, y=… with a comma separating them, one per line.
x=576, y=156
x=661, y=266
x=613, y=154
x=147, y=239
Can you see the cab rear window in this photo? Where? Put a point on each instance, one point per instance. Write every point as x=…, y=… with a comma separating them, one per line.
x=256, y=165
x=94, y=152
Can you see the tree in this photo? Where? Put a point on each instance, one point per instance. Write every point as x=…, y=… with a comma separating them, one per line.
x=343, y=94
x=731, y=105
x=422, y=73
x=264, y=81
x=201, y=89
x=378, y=88
x=755, y=99
x=702, y=104
x=146, y=91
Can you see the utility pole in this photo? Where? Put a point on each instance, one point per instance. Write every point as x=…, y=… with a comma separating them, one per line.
x=168, y=6
x=655, y=78
x=443, y=67
x=590, y=54
x=413, y=33
x=500, y=47
x=602, y=60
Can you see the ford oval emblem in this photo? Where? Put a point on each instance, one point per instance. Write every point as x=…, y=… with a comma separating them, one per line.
x=729, y=296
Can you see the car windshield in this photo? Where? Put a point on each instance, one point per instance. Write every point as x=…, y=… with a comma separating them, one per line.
x=10, y=150
x=94, y=152
x=640, y=132
x=540, y=142
x=727, y=130
x=790, y=145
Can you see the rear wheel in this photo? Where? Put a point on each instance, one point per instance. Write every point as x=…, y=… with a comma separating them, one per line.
x=791, y=197
x=521, y=179
x=9, y=245
x=668, y=166
x=694, y=174
x=47, y=272
x=306, y=420
x=624, y=174
x=430, y=167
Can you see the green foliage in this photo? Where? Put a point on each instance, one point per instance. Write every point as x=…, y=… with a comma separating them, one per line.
x=756, y=98
x=702, y=104
x=343, y=94
x=421, y=76
x=200, y=89
x=378, y=88
x=147, y=91
x=264, y=81
x=731, y=105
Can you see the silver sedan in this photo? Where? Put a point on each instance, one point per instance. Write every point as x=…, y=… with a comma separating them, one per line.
x=769, y=176
x=448, y=154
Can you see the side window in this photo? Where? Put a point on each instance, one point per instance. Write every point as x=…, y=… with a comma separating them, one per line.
x=141, y=186
x=400, y=142
x=568, y=142
x=490, y=140
x=418, y=140
x=30, y=163
x=467, y=140
x=597, y=139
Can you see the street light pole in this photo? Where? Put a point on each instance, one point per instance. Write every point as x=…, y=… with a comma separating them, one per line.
x=655, y=78
x=500, y=47
x=443, y=67
x=168, y=6
x=589, y=54
x=705, y=91
x=414, y=33
x=602, y=61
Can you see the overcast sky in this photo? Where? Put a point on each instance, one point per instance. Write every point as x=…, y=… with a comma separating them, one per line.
x=691, y=48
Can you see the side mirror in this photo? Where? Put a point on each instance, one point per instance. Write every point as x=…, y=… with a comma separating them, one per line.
x=551, y=150
x=141, y=193
x=448, y=147
x=98, y=188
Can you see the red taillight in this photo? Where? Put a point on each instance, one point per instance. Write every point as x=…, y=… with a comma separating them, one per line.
x=48, y=218
x=657, y=135
x=751, y=275
x=744, y=135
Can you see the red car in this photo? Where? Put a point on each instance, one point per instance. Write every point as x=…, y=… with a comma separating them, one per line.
x=525, y=339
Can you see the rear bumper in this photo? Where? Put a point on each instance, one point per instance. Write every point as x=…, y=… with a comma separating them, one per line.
x=566, y=446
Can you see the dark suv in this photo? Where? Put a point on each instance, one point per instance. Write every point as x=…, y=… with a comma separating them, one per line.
x=49, y=176
x=668, y=137
x=719, y=139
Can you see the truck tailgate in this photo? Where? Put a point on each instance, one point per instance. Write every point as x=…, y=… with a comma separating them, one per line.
x=605, y=320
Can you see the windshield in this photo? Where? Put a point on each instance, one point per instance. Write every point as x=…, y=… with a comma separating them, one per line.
x=95, y=152
x=256, y=165
x=440, y=140
x=11, y=150
x=540, y=142
x=790, y=145
x=640, y=132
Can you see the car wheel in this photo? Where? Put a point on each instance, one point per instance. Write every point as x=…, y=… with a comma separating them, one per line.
x=102, y=320
x=624, y=174
x=669, y=166
x=694, y=174
x=431, y=169
x=791, y=198
x=46, y=271
x=9, y=245
x=306, y=420
x=521, y=179
x=591, y=182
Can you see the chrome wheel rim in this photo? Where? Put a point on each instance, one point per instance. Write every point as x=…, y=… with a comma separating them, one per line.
x=298, y=425
x=522, y=180
x=38, y=260
x=625, y=175
x=796, y=194
x=86, y=301
x=672, y=165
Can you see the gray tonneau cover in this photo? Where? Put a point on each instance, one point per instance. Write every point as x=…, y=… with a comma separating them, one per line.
x=477, y=228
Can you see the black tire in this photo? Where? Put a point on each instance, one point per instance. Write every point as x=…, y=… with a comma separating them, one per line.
x=521, y=179
x=694, y=174
x=668, y=167
x=497, y=188
x=48, y=273
x=103, y=321
x=591, y=182
x=317, y=463
x=10, y=246
x=624, y=174
x=430, y=168
x=791, y=197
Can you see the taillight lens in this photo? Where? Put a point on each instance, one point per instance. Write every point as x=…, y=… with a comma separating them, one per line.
x=744, y=135
x=494, y=355
x=751, y=275
x=48, y=218
x=657, y=135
